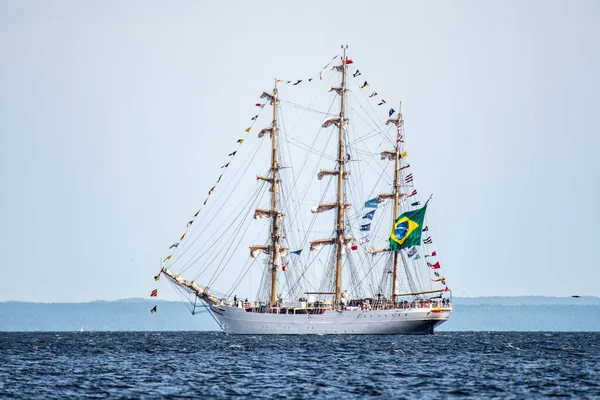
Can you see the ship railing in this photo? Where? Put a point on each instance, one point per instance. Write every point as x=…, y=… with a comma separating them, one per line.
x=385, y=304
x=366, y=305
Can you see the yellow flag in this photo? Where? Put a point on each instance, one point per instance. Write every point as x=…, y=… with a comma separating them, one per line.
x=279, y=80
x=157, y=277
x=165, y=260
x=247, y=129
x=153, y=310
x=240, y=141
x=182, y=236
x=403, y=155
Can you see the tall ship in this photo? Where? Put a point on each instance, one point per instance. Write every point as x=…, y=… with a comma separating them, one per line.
x=314, y=224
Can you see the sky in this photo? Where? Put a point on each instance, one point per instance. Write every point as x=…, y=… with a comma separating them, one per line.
x=113, y=116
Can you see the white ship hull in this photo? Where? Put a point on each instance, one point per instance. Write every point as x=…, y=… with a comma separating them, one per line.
x=412, y=321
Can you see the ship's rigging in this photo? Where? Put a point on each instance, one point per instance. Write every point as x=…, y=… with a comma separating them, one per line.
x=293, y=262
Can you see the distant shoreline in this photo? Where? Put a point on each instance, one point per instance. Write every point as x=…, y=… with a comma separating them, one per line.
x=497, y=314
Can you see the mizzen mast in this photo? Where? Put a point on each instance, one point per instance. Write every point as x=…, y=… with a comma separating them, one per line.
x=396, y=194
x=398, y=122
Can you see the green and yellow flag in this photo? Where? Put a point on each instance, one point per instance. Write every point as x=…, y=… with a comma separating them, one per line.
x=407, y=229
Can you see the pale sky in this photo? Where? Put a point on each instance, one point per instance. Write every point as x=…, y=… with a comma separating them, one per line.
x=114, y=117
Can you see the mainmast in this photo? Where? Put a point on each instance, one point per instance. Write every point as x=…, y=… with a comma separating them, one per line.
x=339, y=239
x=340, y=189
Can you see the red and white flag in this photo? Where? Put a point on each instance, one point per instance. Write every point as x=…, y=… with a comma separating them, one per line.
x=399, y=137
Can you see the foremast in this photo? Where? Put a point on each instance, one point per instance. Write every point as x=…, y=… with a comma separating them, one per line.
x=274, y=248
x=277, y=216
x=340, y=188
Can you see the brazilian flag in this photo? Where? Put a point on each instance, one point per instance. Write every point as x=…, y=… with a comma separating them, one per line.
x=407, y=229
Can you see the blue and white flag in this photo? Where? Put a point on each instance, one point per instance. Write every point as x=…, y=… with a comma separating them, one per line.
x=392, y=111
x=373, y=203
x=412, y=251
x=365, y=227
x=296, y=252
x=369, y=215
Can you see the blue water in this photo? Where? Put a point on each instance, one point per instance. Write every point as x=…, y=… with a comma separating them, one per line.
x=215, y=365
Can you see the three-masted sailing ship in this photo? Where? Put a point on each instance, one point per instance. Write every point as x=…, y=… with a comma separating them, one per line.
x=344, y=284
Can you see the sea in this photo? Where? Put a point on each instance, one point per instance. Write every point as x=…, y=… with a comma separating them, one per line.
x=149, y=365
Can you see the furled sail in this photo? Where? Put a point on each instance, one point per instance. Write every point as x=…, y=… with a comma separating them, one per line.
x=390, y=155
x=198, y=289
x=333, y=121
x=281, y=252
x=265, y=131
x=327, y=207
x=264, y=178
x=395, y=121
x=268, y=96
x=373, y=251
x=261, y=213
x=384, y=196
x=202, y=293
x=317, y=244
x=325, y=172
x=338, y=90
x=256, y=249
